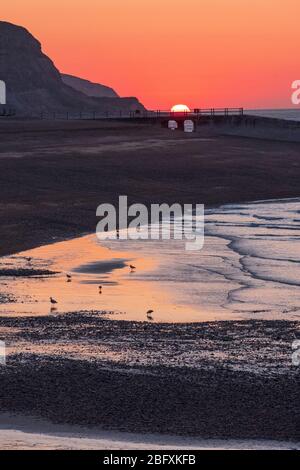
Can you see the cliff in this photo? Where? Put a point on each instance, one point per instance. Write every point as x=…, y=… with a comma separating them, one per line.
x=34, y=84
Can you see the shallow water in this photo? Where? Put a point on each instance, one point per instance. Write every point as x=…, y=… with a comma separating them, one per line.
x=248, y=268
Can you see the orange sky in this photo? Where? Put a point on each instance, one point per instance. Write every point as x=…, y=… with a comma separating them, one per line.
x=203, y=53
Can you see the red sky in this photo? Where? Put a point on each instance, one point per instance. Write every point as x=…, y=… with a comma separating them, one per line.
x=204, y=53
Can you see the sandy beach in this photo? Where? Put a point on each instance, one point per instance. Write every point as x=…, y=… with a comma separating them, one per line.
x=212, y=380
x=225, y=380
x=149, y=229
x=54, y=174
x=21, y=433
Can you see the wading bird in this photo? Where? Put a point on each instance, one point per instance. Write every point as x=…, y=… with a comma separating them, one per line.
x=149, y=314
x=69, y=277
x=53, y=301
x=132, y=268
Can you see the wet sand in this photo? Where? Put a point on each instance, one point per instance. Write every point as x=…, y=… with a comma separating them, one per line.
x=212, y=380
x=54, y=174
x=247, y=269
x=21, y=433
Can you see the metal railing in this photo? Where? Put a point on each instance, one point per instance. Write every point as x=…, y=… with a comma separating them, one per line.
x=83, y=115
x=196, y=112
x=144, y=114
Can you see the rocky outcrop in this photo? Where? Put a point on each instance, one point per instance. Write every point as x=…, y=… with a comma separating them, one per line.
x=34, y=84
x=89, y=88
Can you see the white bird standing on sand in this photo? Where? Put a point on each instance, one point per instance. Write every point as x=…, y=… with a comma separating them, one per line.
x=53, y=301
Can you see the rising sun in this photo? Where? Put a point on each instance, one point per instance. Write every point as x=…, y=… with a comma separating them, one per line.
x=180, y=108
